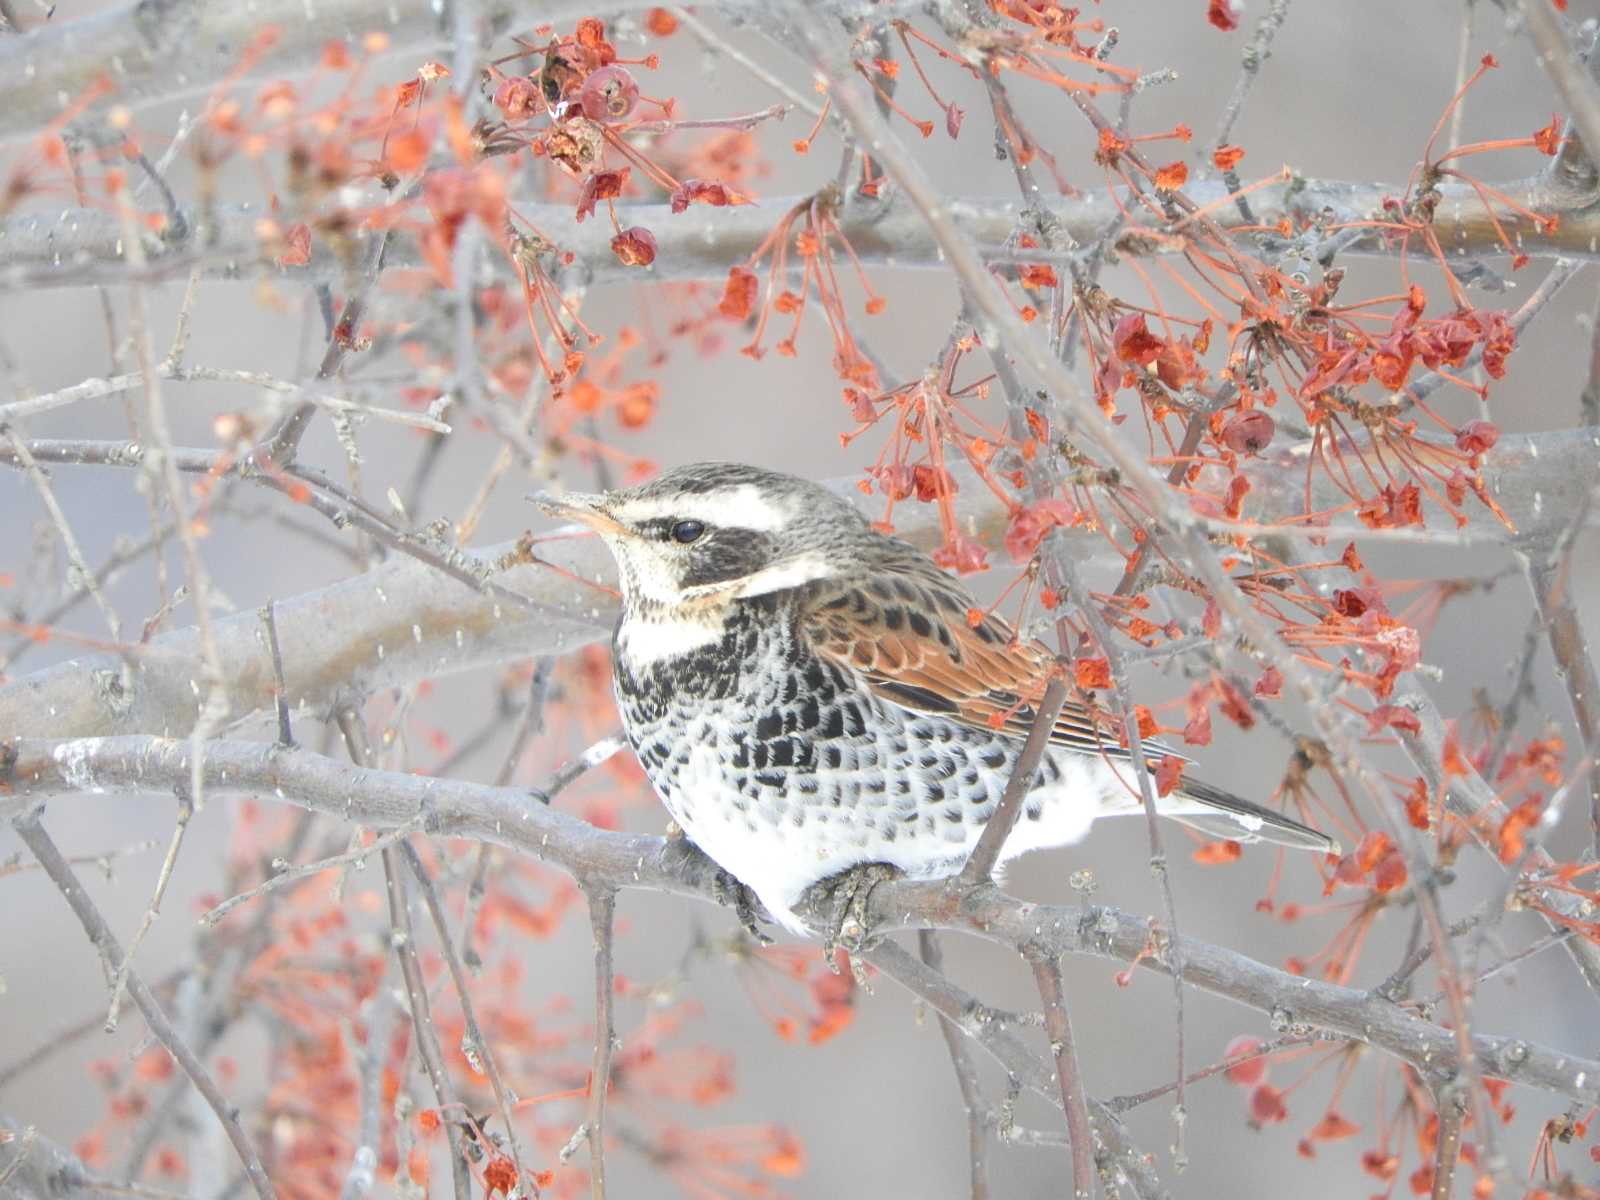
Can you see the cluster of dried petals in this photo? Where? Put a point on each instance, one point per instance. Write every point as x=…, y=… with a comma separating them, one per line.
x=808, y=231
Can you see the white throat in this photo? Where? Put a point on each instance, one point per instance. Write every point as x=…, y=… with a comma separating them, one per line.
x=643, y=640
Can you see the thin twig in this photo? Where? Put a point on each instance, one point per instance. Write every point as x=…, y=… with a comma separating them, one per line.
x=86, y=577
x=291, y=875
x=405, y=949
x=482, y=1055
x=1047, y=975
x=371, y=1057
x=981, y=863
x=1447, y=1150
x=1252, y=58
x=153, y=909
x=213, y=705
x=966, y=1076
x=530, y=723
x=280, y=690
x=281, y=442
x=602, y=914
x=1019, y=1062
x=714, y=42
x=1550, y=578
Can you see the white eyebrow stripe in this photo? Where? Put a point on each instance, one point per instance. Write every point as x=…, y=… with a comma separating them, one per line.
x=783, y=575
x=742, y=507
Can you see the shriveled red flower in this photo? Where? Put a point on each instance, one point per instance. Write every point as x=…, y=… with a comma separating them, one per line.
x=1092, y=673
x=1028, y=526
x=1133, y=341
x=705, y=191
x=602, y=185
x=1226, y=158
x=1477, y=437
x=635, y=246
x=739, y=294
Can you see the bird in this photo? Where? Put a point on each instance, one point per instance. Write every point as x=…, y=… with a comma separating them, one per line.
x=812, y=698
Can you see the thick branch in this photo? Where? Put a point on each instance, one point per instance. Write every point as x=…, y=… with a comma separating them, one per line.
x=79, y=247
x=404, y=621
x=509, y=817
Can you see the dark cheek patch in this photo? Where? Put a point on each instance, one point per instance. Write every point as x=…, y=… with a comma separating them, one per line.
x=727, y=554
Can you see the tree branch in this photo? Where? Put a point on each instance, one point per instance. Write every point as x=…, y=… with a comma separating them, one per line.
x=405, y=621
x=980, y=864
x=83, y=247
x=1069, y=1078
x=39, y=770
x=602, y=913
x=966, y=1074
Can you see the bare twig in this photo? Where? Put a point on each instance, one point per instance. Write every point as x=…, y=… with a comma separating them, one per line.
x=1550, y=578
x=280, y=694
x=1447, y=1150
x=1589, y=398
x=966, y=1076
x=281, y=442
x=963, y=1011
x=1251, y=60
x=163, y=878
x=85, y=577
x=371, y=1056
x=602, y=912
x=980, y=864
x=95, y=389
x=1047, y=975
x=403, y=943
x=482, y=1054
x=716, y=43
x=291, y=875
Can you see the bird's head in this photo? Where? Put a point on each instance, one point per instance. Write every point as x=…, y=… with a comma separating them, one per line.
x=719, y=532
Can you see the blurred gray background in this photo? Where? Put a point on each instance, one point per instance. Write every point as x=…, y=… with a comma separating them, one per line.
x=1352, y=91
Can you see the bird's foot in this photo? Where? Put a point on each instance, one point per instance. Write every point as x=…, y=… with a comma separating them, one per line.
x=726, y=890
x=849, y=926
x=729, y=892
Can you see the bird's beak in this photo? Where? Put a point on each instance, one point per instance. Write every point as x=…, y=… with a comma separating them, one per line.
x=582, y=507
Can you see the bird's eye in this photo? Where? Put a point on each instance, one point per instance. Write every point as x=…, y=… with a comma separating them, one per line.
x=687, y=531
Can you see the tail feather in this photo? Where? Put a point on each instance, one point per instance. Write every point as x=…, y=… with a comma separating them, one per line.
x=1223, y=815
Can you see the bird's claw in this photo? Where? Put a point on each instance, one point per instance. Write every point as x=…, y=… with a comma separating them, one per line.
x=726, y=889
x=729, y=892
x=849, y=925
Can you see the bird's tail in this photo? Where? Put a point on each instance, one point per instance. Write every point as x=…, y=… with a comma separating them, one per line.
x=1221, y=814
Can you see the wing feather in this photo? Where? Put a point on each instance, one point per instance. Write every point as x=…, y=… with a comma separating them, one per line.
x=908, y=636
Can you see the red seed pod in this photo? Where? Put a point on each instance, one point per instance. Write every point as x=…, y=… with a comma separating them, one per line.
x=636, y=247
x=1249, y=432
x=608, y=94
x=518, y=97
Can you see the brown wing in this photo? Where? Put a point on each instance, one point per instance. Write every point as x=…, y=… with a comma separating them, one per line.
x=907, y=634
